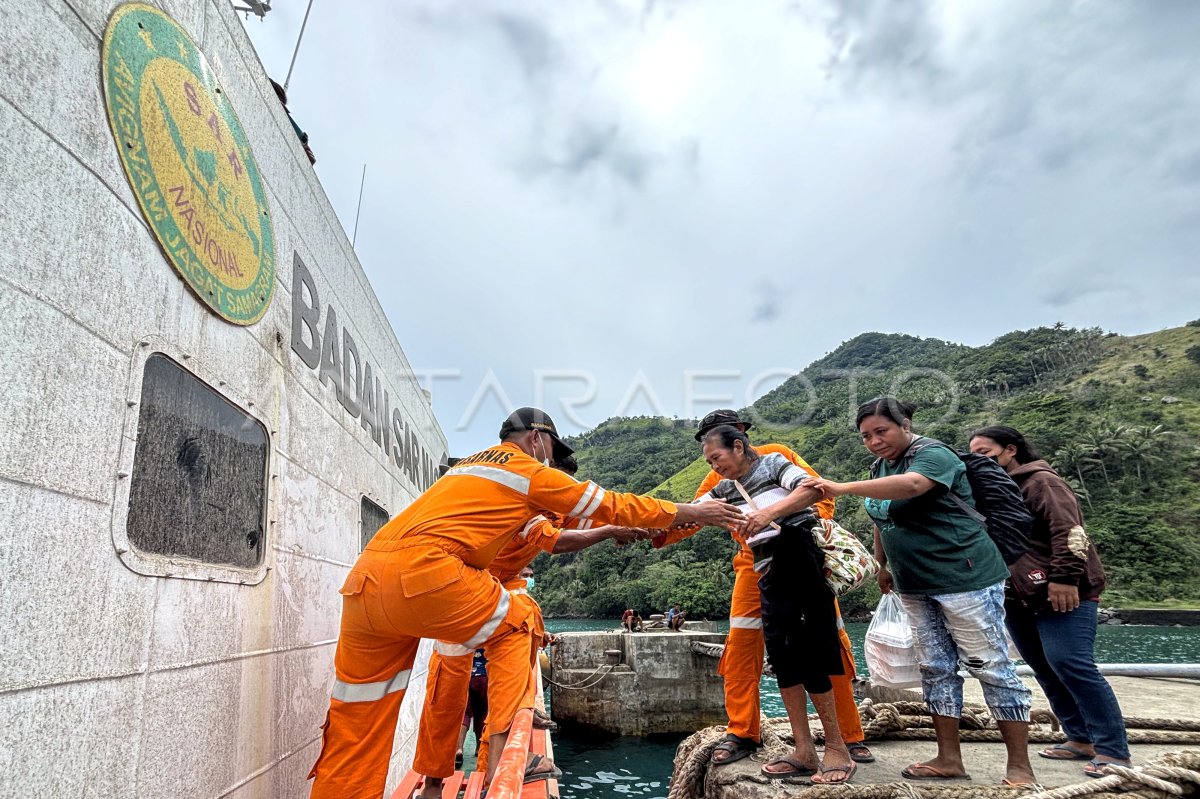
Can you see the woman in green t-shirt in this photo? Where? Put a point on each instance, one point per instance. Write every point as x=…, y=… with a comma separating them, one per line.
x=950, y=577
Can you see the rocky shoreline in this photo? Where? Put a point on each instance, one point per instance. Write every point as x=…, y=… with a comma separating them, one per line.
x=1157, y=617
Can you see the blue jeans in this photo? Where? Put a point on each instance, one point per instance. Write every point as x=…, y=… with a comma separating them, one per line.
x=966, y=628
x=1060, y=648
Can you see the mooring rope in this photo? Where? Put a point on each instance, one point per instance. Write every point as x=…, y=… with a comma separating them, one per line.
x=1173, y=774
x=602, y=670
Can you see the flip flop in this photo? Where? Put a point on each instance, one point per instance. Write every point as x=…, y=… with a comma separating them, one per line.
x=859, y=753
x=737, y=747
x=1067, y=752
x=914, y=772
x=819, y=779
x=1095, y=768
x=532, y=775
x=798, y=769
x=1013, y=784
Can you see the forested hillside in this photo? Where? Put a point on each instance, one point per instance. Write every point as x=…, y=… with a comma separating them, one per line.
x=1118, y=416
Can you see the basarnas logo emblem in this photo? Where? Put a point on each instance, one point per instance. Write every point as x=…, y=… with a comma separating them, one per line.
x=188, y=162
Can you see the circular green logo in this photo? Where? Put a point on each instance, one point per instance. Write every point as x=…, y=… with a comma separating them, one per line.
x=188, y=162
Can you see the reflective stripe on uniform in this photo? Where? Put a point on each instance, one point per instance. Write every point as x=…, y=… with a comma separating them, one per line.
x=595, y=503
x=519, y=591
x=745, y=623
x=502, y=476
x=841, y=625
x=490, y=626
x=588, y=493
x=450, y=650
x=369, y=691
x=529, y=525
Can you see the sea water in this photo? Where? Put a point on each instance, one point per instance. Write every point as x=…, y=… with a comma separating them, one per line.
x=641, y=767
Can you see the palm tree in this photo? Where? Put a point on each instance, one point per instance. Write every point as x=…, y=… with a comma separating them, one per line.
x=1143, y=445
x=1072, y=458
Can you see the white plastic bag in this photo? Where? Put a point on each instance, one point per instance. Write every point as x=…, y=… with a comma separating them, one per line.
x=891, y=656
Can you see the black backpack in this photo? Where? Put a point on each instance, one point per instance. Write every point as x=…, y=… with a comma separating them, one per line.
x=999, y=506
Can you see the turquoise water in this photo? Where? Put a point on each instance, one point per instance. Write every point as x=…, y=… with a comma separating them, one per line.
x=638, y=767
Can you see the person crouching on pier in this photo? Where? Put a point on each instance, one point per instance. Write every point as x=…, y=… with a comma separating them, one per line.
x=446, y=688
x=799, y=620
x=424, y=575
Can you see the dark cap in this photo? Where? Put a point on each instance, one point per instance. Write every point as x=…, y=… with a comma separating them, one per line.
x=718, y=418
x=535, y=419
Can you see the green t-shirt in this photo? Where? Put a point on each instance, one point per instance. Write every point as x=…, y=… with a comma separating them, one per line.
x=932, y=546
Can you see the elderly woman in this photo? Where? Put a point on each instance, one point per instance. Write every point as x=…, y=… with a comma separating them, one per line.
x=1058, y=639
x=799, y=620
x=950, y=577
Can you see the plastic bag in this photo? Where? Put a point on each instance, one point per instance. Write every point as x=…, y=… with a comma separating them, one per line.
x=891, y=655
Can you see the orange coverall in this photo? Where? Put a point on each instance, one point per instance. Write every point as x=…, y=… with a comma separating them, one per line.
x=450, y=666
x=742, y=663
x=424, y=575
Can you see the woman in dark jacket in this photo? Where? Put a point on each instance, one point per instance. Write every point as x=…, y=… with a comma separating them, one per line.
x=1058, y=638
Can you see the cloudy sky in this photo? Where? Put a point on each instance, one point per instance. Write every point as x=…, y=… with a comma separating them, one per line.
x=618, y=208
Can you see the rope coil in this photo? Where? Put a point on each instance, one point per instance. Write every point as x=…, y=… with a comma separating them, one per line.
x=1171, y=775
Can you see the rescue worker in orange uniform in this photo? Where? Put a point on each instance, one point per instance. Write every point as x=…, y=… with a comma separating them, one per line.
x=424, y=575
x=450, y=666
x=742, y=663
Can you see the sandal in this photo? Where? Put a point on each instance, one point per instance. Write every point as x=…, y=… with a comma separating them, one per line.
x=797, y=769
x=1064, y=752
x=533, y=775
x=859, y=753
x=819, y=779
x=541, y=721
x=736, y=748
x=924, y=771
x=1095, y=768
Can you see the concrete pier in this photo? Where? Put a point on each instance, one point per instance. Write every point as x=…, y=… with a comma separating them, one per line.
x=655, y=685
x=1139, y=697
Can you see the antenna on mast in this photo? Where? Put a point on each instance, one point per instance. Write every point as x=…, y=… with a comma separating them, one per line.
x=303, y=25
x=358, y=211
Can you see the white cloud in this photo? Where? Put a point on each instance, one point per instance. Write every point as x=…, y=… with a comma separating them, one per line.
x=664, y=187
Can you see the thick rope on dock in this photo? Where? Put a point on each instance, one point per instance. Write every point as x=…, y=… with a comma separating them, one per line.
x=1173, y=774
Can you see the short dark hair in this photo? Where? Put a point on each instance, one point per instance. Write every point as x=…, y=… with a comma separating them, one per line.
x=889, y=407
x=567, y=464
x=1009, y=436
x=726, y=434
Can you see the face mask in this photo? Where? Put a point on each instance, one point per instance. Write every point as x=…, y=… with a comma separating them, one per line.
x=545, y=455
x=529, y=583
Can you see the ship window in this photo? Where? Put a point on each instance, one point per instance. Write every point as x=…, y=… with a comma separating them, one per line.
x=372, y=518
x=199, y=483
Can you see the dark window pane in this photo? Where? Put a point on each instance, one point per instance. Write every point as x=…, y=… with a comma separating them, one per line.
x=199, y=472
x=373, y=517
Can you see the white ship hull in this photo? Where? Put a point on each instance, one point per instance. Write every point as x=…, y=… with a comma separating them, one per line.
x=133, y=673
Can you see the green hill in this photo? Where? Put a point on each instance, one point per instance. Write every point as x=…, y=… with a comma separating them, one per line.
x=1118, y=416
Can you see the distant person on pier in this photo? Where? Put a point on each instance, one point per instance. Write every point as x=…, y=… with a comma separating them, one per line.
x=950, y=576
x=1058, y=638
x=627, y=620
x=675, y=618
x=799, y=617
x=424, y=575
x=742, y=664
